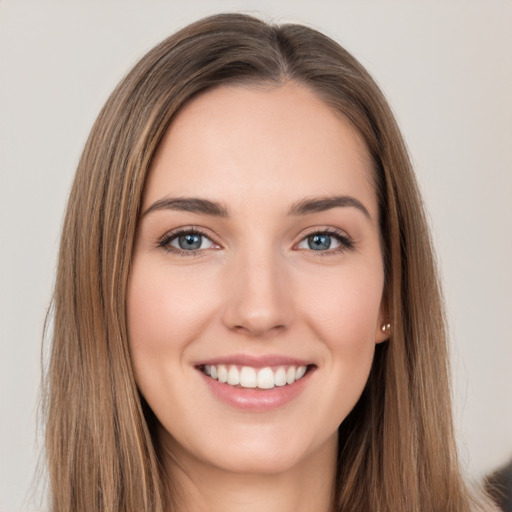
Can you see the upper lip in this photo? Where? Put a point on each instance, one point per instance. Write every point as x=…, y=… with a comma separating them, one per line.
x=255, y=361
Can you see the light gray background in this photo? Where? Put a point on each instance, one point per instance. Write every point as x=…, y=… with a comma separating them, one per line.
x=446, y=67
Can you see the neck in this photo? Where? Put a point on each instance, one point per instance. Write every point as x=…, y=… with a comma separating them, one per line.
x=306, y=486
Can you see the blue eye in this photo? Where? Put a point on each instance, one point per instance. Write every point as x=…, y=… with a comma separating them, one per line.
x=326, y=241
x=319, y=242
x=187, y=241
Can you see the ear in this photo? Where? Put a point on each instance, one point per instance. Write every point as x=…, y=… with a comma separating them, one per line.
x=383, y=328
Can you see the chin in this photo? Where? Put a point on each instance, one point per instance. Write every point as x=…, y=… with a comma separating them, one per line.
x=272, y=461
x=251, y=452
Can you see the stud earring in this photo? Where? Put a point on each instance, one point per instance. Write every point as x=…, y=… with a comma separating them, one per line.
x=385, y=327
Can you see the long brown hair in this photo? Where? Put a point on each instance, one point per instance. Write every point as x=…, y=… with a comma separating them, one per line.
x=396, y=448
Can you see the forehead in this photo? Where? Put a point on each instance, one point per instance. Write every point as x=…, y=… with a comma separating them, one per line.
x=239, y=142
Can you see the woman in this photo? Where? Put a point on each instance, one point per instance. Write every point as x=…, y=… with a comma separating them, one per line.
x=247, y=313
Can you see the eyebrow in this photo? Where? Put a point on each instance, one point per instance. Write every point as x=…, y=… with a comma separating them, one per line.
x=321, y=204
x=189, y=204
x=303, y=207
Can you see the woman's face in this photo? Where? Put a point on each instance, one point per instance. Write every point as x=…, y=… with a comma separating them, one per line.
x=257, y=258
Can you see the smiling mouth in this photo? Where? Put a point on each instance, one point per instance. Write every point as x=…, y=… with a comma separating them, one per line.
x=259, y=378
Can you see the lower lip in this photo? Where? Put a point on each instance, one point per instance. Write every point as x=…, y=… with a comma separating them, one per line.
x=255, y=399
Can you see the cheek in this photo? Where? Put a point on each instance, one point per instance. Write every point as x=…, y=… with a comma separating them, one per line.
x=344, y=314
x=166, y=310
x=345, y=307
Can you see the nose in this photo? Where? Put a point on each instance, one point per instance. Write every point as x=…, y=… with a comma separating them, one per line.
x=258, y=301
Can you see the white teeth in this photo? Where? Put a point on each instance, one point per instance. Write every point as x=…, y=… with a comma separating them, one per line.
x=249, y=377
x=301, y=371
x=266, y=378
x=233, y=376
x=280, y=377
x=222, y=373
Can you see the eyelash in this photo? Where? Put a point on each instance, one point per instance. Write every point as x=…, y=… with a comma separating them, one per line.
x=346, y=243
x=164, y=243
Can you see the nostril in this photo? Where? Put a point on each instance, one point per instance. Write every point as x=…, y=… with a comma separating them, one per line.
x=258, y=329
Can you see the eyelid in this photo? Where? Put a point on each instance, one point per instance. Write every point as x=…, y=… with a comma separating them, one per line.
x=345, y=240
x=164, y=241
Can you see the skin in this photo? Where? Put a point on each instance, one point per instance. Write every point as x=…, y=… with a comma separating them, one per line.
x=255, y=286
